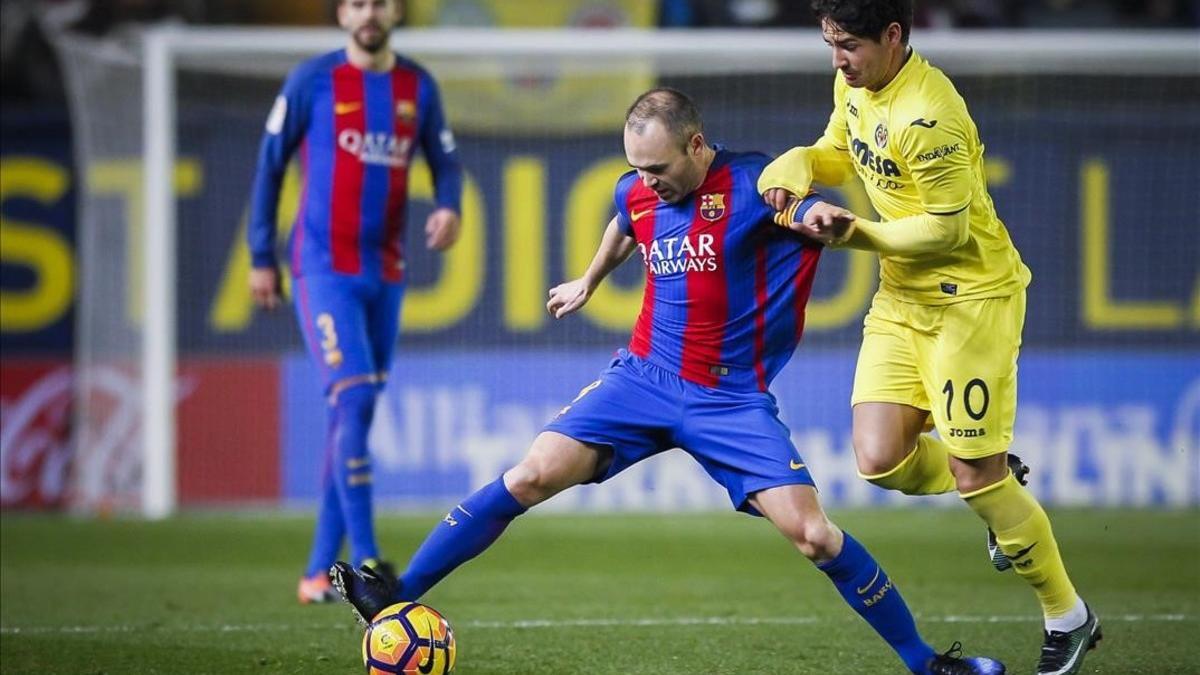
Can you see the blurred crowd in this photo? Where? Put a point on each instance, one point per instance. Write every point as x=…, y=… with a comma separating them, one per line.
x=28, y=72
x=950, y=13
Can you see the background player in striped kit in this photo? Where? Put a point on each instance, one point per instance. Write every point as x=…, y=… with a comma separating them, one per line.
x=355, y=117
x=722, y=313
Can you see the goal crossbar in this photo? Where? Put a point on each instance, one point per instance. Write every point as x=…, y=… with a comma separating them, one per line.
x=164, y=49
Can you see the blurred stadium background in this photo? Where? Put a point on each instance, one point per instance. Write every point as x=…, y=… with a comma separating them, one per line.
x=129, y=134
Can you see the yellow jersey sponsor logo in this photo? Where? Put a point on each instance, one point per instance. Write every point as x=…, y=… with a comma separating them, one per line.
x=635, y=216
x=347, y=107
x=796, y=466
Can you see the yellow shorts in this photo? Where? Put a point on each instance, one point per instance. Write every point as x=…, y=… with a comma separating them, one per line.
x=958, y=361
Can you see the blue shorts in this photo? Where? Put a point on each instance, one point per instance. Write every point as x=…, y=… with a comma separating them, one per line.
x=349, y=324
x=640, y=410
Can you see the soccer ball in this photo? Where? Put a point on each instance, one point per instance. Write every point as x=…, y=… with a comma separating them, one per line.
x=409, y=637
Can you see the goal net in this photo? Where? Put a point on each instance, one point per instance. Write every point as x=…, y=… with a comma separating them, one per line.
x=187, y=396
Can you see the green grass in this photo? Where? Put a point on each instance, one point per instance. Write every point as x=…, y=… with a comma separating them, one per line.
x=719, y=593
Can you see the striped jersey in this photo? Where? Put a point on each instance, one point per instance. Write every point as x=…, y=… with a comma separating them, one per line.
x=726, y=288
x=355, y=132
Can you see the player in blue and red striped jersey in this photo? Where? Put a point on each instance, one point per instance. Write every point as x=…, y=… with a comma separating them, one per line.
x=355, y=117
x=722, y=312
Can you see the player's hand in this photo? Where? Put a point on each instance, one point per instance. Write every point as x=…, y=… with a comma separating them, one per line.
x=568, y=297
x=265, y=287
x=442, y=229
x=777, y=198
x=826, y=223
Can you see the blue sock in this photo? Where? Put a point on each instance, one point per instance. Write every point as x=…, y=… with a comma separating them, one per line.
x=331, y=528
x=352, y=468
x=866, y=587
x=464, y=533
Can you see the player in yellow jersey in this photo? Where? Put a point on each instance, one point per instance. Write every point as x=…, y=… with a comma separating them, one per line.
x=942, y=335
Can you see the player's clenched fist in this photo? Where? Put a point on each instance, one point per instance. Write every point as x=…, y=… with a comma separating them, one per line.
x=568, y=297
x=777, y=198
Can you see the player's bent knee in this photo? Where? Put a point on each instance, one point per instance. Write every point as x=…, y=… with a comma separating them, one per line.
x=526, y=484
x=972, y=475
x=816, y=539
x=876, y=454
x=548, y=469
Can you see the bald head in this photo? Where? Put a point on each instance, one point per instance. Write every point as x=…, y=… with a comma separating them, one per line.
x=672, y=108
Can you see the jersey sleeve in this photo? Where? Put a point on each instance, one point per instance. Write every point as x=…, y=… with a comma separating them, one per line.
x=938, y=151
x=621, y=202
x=286, y=127
x=439, y=148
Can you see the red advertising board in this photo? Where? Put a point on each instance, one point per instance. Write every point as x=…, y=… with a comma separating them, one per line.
x=228, y=432
x=35, y=439
x=228, y=437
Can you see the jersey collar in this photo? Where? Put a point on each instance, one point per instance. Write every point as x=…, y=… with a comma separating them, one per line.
x=911, y=65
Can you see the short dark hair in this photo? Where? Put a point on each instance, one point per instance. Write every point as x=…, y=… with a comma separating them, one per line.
x=672, y=107
x=866, y=18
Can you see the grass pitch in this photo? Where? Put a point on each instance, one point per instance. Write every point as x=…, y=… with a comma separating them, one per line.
x=716, y=593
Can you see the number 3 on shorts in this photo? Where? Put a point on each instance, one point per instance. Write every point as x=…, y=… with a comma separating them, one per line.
x=582, y=392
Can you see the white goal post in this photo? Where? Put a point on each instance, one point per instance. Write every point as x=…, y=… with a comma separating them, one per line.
x=719, y=51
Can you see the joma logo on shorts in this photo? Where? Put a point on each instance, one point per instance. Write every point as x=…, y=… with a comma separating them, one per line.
x=968, y=433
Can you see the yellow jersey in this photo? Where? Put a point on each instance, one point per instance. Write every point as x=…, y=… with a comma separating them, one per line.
x=917, y=150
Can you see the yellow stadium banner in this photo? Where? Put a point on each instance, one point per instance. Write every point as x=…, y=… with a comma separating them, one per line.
x=569, y=95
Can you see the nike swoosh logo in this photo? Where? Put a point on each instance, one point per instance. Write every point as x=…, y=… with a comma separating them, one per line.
x=426, y=665
x=343, y=108
x=1021, y=554
x=920, y=122
x=796, y=466
x=635, y=216
x=870, y=583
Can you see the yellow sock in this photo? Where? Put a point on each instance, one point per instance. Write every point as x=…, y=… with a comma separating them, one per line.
x=926, y=470
x=1023, y=533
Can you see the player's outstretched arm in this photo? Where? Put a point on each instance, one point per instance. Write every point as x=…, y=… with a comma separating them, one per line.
x=923, y=233
x=795, y=171
x=615, y=248
x=816, y=219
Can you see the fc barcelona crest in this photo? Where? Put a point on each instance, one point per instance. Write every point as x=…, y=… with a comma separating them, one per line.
x=406, y=111
x=712, y=206
x=881, y=136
